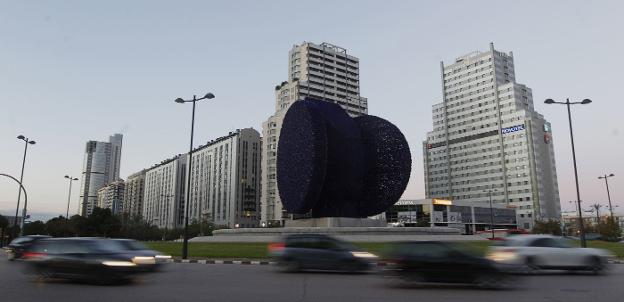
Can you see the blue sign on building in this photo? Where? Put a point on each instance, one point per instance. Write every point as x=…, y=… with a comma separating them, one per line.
x=512, y=129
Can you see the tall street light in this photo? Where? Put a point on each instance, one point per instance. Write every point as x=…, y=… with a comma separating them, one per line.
x=491, y=211
x=71, y=179
x=605, y=177
x=188, y=167
x=578, y=194
x=19, y=194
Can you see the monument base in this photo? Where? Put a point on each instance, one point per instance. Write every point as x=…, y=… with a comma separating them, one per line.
x=352, y=234
x=334, y=222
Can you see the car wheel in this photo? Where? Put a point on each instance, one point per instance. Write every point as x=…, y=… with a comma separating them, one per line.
x=530, y=265
x=355, y=267
x=489, y=281
x=595, y=265
x=403, y=280
x=290, y=266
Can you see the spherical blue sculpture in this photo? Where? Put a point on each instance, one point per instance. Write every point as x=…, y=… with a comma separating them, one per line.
x=333, y=165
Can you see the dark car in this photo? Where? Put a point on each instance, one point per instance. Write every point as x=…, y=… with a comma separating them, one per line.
x=88, y=259
x=319, y=252
x=416, y=263
x=141, y=253
x=16, y=248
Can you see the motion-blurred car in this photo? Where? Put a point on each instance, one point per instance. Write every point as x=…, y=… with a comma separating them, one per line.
x=16, y=248
x=91, y=259
x=536, y=252
x=141, y=253
x=319, y=252
x=421, y=262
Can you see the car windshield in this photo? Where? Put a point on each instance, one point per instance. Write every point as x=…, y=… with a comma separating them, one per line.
x=130, y=245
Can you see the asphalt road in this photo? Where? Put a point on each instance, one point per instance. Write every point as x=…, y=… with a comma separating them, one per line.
x=232, y=282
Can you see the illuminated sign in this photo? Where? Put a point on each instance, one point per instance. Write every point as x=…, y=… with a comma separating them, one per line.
x=443, y=202
x=512, y=129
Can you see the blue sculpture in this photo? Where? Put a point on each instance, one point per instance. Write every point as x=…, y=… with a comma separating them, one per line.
x=333, y=165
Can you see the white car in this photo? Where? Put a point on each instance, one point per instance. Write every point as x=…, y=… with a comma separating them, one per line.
x=534, y=252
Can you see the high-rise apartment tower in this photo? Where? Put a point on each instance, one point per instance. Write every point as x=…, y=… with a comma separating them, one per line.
x=100, y=167
x=321, y=71
x=487, y=136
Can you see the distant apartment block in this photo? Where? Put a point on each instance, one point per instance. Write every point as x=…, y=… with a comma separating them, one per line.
x=225, y=180
x=100, y=167
x=111, y=197
x=133, y=194
x=225, y=184
x=321, y=71
x=487, y=136
x=163, y=195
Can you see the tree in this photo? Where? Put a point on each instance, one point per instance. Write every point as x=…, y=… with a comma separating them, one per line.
x=609, y=230
x=58, y=227
x=552, y=227
x=4, y=223
x=103, y=223
x=35, y=228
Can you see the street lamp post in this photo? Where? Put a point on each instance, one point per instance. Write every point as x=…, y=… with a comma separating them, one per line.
x=578, y=194
x=188, y=165
x=71, y=179
x=605, y=177
x=19, y=194
x=491, y=211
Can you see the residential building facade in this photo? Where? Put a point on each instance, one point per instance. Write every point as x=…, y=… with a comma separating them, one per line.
x=321, y=71
x=100, y=167
x=164, y=193
x=133, y=194
x=225, y=184
x=111, y=196
x=487, y=136
x=225, y=180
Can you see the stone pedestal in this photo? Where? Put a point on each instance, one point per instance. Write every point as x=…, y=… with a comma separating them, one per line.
x=334, y=222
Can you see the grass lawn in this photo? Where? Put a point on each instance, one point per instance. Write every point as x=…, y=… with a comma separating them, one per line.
x=256, y=250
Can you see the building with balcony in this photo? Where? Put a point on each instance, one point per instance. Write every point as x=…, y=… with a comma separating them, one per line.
x=320, y=71
x=487, y=136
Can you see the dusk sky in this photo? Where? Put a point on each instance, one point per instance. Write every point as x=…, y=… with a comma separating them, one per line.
x=73, y=71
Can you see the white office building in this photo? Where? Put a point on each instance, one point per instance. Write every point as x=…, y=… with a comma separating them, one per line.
x=111, y=197
x=321, y=71
x=225, y=184
x=487, y=136
x=133, y=194
x=100, y=167
x=163, y=194
x=225, y=180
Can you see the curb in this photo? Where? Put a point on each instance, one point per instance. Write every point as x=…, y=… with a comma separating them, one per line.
x=265, y=262
x=241, y=262
x=206, y=261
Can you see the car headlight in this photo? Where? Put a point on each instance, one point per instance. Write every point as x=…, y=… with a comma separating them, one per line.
x=502, y=256
x=118, y=263
x=143, y=260
x=163, y=257
x=363, y=255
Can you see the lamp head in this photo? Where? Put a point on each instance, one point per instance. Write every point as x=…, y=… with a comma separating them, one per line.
x=179, y=100
x=586, y=101
x=75, y=178
x=66, y=176
x=21, y=137
x=32, y=142
x=611, y=175
x=549, y=101
x=209, y=95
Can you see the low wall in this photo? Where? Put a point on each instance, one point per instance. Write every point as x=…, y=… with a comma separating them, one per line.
x=352, y=234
